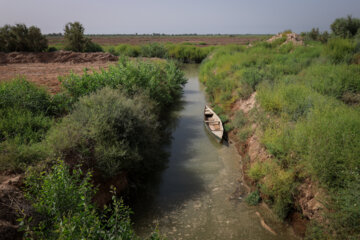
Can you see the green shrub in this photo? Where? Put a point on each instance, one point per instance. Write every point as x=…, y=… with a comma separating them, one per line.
x=256, y=172
x=218, y=110
x=243, y=134
x=187, y=54
x=22, y=94
x=76, y=41
x=162, y=80
x=346, y=27
x=228, y=127
x=111, y=131
x=224, y=118
x=333, y=80
x=23, y=126
x=17, y=157
x=128, y=50
x=345, y=221
x=92, y=47
x=26, y=114
x=279, y=185
x=340, y=50
x=328, y=140
x=239, y=120
x=153, y=50
x=253, y=198
x=20, y=38
x=295, y=100
x=63, y=198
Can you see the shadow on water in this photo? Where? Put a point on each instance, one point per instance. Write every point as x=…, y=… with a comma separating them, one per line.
x=168, y=189
x=190, y=198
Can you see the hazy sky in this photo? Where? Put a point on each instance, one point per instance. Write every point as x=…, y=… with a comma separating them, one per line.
x=178, y=16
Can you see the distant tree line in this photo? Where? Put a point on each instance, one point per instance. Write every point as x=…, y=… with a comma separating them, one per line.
x=20, y=38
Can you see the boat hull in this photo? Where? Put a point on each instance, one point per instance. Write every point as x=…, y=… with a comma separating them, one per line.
x=213, y=123
x=212, y=134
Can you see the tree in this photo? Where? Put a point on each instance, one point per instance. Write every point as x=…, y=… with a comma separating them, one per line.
x=74, y=37
x=76, y=41
x=21, y=38
x=345, y=27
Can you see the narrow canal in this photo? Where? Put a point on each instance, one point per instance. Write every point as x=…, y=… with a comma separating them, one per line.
x=201, y=195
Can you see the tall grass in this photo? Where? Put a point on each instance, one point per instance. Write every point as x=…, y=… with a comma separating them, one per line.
x=308, y=128
x=182, y=52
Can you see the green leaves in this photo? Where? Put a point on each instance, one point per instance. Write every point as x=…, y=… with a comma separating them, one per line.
x=64, y=200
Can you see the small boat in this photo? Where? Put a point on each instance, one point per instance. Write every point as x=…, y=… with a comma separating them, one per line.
x=213, y=123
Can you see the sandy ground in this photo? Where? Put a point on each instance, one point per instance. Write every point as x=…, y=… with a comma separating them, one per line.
x=46, y=74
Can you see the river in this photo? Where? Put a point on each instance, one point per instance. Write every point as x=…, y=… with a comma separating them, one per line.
x=201, y=195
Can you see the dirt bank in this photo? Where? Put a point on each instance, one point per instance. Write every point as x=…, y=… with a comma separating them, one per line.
x=55, y=57
x=46, y=74
x=308, y=193
x=12, y=205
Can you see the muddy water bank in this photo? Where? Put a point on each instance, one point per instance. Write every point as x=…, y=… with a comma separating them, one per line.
x=201, y=194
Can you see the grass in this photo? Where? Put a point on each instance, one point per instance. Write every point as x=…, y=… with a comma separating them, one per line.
x=309, y=116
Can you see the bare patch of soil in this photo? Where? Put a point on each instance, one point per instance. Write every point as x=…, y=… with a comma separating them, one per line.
x=46, y=74
x=55, y=57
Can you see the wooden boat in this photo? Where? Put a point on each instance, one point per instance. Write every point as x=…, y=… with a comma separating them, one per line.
x=213, y=123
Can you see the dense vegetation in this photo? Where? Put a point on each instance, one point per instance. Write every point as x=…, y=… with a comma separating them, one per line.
x=21, y=38
x=105, y=123
x=185, y=53
x=308, y=118
x=76, y=41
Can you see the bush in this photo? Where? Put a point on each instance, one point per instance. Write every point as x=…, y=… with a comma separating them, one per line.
x=256, y=172
x=243, y=134
x=328, y=140
x=22, y=94
x=340, y=50
x=279, y=186
x=76, y=41
x=345, y=221
x=187, y=54
x=74, y=37
x=333, y=80
x=253, y=198
x=162, y=80
x=294, y=100
x=17, y=157
x=128, y=50
x=153, y=50
x=239, y=120
x=345, y=27
x=92, y=47
x=26, y=114
x=110, y=131
x=23, y=126
x=63, y=198
x=20, y=38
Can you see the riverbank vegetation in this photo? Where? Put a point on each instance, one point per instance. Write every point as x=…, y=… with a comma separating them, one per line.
x=307, y=118
x=103, y=126
x=185, y=53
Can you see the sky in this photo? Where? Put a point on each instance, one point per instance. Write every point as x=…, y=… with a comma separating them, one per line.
x=178, y=16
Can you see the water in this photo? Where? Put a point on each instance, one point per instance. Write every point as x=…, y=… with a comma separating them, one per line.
x=201, y=195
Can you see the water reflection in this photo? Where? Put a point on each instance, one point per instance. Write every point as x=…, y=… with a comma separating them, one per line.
x=194, y=197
